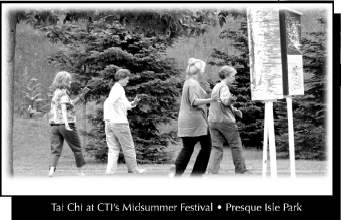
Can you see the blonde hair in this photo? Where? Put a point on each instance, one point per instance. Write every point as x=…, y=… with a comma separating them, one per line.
x=61, y=80
x=226, y=71
x=195, y=66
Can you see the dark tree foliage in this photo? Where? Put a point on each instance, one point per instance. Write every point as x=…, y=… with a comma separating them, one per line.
x=98, y=42
x=95, y=55
x=309, y=111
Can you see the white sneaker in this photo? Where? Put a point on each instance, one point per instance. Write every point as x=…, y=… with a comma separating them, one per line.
x=51, y=171
x=171, y=172
x=80, y=174
x=140, y=170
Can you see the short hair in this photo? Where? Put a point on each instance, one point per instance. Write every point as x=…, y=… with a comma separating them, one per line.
x=226, y=71
x=195, y=66
x=61, y=80
x=121, y=74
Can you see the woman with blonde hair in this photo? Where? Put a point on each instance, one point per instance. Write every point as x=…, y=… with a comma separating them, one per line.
x=192, y=122
x=62, y=118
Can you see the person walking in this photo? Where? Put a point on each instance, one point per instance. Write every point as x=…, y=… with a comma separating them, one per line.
x=117, y=130
x=192, y=122
x=223, y=124
x=62, y=120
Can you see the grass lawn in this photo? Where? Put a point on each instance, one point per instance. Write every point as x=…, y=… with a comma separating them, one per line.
x=32, y=154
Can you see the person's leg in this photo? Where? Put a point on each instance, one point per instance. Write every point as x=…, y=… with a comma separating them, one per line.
x=114, y=148
x=72, y=138
x=185, y=154
x=123, y=134
x=56, y=140
x=203, y=157
x=217, y=152
x=231, y=134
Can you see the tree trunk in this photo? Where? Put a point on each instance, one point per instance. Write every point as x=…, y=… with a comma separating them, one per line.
x=84, y=123
x=7, y=90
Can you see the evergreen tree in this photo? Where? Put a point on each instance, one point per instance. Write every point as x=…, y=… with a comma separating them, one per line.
x=309, y=110
x=96, y=54
x=98, y=42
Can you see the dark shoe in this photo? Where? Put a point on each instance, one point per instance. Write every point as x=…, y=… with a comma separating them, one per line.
x=244, y=172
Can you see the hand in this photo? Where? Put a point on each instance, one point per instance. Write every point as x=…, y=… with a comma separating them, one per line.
x=85, y=90
x=233, y=99
x=238, y=113
x=67, y=127
x=215, y=99
x=136, y=100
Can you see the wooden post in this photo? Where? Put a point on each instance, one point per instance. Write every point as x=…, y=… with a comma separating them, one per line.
x=84, y=122
x=271, y=134
x=276, y=68
x=8, y=93
x=265, y=145
x=291, y=137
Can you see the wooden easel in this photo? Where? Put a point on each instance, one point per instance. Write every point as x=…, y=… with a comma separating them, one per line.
x=269, y=134
x=291, y=137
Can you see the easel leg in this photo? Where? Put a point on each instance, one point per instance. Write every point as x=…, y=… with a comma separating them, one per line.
x=265, y=146
x=291, y=137
x=272, y=144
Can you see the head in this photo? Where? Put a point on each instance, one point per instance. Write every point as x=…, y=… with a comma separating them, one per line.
x=122, y=76
x=227, y=73
x=195, y=67
x=62, y=80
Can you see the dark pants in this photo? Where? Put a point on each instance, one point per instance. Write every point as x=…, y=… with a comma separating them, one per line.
x=57, y=135
x=185, y=154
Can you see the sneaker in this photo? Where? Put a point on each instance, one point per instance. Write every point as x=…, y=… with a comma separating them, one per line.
x=171, y=172
x=80, y=174
x=140, y=170
x=51, y=171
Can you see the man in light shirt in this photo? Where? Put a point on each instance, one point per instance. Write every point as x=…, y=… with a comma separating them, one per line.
x=117, y=129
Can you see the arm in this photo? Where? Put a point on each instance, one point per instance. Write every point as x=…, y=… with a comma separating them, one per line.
x=81, y=96
x=193, y=92
x=203, y=101
x=77, y=100
x=65, y=117
x=132, y=104
x=226, y=97
x=128, y=104
x=113, y=95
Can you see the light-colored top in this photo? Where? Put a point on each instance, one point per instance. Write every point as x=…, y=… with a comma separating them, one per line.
x=191, y=122
x=221, y=112
x=61, y=96
x=116, y=105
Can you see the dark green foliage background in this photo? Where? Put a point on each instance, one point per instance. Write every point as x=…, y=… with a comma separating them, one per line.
x=309, y=110
x=96, y=55
x=94, y=45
